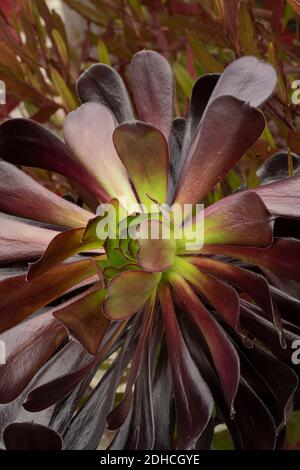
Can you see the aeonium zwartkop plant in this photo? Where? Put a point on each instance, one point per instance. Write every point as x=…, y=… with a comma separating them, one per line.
x=198, y=336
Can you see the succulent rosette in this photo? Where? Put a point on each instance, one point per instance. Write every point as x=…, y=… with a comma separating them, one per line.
x=189, y=337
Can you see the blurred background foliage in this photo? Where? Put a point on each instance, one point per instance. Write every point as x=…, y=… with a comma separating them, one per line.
x=46, y=44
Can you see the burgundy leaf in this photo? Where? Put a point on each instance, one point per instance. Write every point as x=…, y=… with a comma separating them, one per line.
x=289, y=306
x=227, y=130
x=144, y=152
x=253, y=427
x=84, y=318
x=63, y=246
x=21, y=241
x=193, y=399
x=20, y=298
x=223, y=353
x=118, y=415
x=152, y=86
x=221, y=296
x=249, y=282
x=34, y=342
x=24, y=142
x=282, y=197
x=242, y=220
x=88, y=132
x=67, y=357
x=242, y=426
x=265, y=332
x=20, y=195
x=273, y=381
x=282, y=257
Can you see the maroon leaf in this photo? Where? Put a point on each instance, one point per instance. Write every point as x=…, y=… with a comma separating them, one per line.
x=288, y=305
x=21, y=241
x=175, y=153
x=274, y=381
x=155, y=255
x=34, y=342
x=265, y=332
x=249, y=424
x=118, y=415
x=221, y=296
x=88, y=132
x=193, y=399
x=64, y=360
x=242, y=220
x=153, y=89
x=20, y=195
x=127, y=292
x=163, y=401
x=238, y=126
x=223, y=353
x=282, y=257
x=253, y=427
x=249, y=282
x=84, y=318
x=63, y=246
x=282, y=197
x=24, y=142
x=144, y=152
x=20, y=298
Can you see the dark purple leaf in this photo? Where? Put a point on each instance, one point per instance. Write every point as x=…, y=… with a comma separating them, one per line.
x=163, y=401
x=201, y=94
x=51, y=392
x=248, y=79
x=142, y=430
x=102, y=84
x=175, y=153
x=92, y=416
x=31, y=436
x=276, y=167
